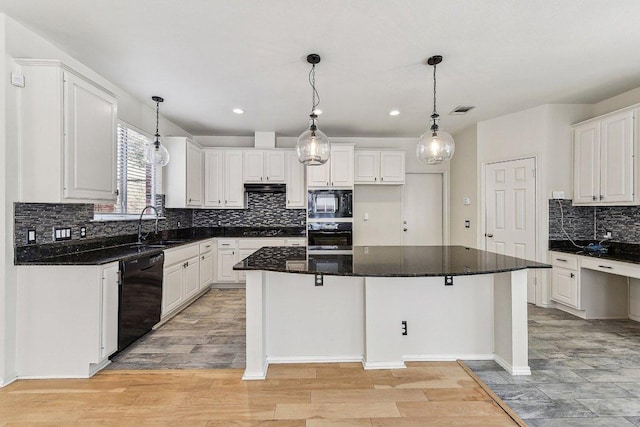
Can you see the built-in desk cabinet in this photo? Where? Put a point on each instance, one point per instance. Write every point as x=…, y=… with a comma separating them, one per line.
x=593, y=287
x=379, y=167
x=68, y=127
x=67, y=319
x=604, y=168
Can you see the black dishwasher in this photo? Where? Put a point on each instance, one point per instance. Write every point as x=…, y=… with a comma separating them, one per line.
x=140, y=297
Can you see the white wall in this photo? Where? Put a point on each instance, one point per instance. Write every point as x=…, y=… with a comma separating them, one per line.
x=18, y=42
x=464, y=184
x=383, y=204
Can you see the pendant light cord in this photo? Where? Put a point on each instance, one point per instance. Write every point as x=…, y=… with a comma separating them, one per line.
x=312, y=82
x=434, y=115
x=157, y=141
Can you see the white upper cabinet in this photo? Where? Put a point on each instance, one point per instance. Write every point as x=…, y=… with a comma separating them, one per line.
x=233, y=186
x=183, y=174
x=68, y=128
x=213, y=178
x=264, y=166
x=379, y=167
x=223, y=184
x=604, y=161
x=296, y=191
x=337, y=172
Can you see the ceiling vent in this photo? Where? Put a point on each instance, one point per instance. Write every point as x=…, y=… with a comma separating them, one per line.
x=461, y=110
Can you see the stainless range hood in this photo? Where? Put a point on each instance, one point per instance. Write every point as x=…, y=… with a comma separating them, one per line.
x=265, y=188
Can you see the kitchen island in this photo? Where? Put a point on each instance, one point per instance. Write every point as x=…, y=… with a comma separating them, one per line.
x=384, y=305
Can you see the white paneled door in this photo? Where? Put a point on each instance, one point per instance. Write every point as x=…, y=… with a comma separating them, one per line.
x=510, y=192
x=422, y=203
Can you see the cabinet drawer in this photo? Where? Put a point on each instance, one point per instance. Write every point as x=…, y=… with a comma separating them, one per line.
x=564, y=261
x=180, y=254
x=611, y=267
x=206, y=246
x=226, y=243
x=296, y=242
x=259, y=243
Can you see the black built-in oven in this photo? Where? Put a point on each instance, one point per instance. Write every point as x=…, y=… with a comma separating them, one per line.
x=330, y=204
x=330, y=236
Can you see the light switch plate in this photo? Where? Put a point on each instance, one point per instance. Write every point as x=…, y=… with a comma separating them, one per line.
x=31, y=236
x=61, y=234
x=558, y=195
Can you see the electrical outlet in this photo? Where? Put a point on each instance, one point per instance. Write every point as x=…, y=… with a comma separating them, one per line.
x=178, y=223
x=404, y=328
x=61, y=234
x=83, y=232
x=608, y=235
x=558, y=195
x=467, y=223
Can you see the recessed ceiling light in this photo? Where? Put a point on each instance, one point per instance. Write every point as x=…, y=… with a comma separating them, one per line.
x=394, y=112
x=317, y=111
x=238, y=110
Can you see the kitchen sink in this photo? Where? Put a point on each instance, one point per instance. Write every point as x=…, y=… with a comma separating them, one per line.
x=158, y=244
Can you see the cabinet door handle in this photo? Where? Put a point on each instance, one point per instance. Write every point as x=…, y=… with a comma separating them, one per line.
x=233, y=252
x=226, y=244
x=203, y=257
x=382, y=178
x=601, y=197
x=189, y=200
x=267, y=178
x=572, y=275
x=489, y=235
x=375, y=178
x=208, y=246
x=561, y=259
x=185, y=265
x=593, y=198
x=226, y=201
x=219, y=201
x=606, y=266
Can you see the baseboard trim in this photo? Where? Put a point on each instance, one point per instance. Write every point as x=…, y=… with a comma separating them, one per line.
x=256, y=375
x=315, y=359
x=383, y=365
x=513, y=370
x=579, y=313
x=446, y=357
x=94, y=368
x=182, y=306
x=5, y=382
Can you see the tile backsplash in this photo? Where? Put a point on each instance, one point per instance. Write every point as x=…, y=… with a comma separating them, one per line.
x=43, y=217
x=580, y=221
x=263, y=210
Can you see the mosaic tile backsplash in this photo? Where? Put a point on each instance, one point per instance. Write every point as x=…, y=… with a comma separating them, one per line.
x=43, y=217
x=622, y=221
x=263, y=210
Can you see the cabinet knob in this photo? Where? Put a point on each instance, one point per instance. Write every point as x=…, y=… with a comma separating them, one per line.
x=189, y=200
x=601, y=197
x=225, y=201
x=381, y=178
x=572, y=275
x=375, y=178
x=489, y=235
x=267, y=178
x=593, y=197
x=202, y=257
x=219, y=201
x=404, y=229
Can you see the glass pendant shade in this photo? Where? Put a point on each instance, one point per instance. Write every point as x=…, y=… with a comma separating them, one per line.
x=313, y=146
x=157, y=154
x=435, y=147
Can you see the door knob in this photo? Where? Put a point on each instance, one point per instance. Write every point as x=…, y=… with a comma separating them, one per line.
x=489, y=235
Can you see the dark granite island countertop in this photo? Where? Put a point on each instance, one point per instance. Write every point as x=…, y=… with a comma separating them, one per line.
x=387, y=261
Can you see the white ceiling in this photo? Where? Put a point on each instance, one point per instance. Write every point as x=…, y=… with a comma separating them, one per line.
x=206, y=57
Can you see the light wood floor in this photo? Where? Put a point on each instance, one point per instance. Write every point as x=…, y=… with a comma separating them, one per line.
x=339, y=394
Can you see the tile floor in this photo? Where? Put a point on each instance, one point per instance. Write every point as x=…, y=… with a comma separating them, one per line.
x=209, y=334
x=584, y=373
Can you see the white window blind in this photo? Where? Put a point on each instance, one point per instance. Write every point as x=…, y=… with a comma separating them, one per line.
x=136, y=178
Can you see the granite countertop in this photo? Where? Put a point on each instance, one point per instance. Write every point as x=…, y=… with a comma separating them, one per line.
x=614, y=251
x=123, y=248
x=386, y=261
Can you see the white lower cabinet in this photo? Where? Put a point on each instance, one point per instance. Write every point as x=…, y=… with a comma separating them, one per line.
x=227, y=257
x=564, y=279
x=67, y=319
x=206, y=263
x=181, y=278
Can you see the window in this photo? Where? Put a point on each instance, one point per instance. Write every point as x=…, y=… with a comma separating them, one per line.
x=136, y=178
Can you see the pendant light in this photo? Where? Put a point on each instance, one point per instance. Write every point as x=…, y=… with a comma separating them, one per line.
x=313, y=145
x=156, y=153
x=435, y=146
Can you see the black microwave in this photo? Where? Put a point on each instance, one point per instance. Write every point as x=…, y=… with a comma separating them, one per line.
x=330, y=204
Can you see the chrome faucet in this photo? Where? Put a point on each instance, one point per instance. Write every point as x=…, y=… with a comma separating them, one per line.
x=140, y=222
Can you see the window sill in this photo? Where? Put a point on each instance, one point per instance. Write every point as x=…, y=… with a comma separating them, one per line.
x=122, y=217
